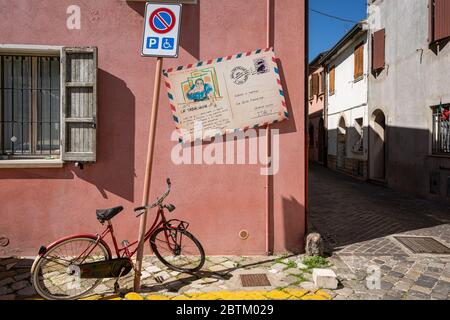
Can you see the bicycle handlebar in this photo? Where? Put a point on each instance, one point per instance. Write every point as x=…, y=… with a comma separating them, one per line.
x=158, y=201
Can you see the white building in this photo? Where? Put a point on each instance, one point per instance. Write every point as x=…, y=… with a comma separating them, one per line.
x=409, y=96
x=346, y=102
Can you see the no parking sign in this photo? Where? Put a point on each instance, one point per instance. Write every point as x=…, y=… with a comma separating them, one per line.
x=161, y=30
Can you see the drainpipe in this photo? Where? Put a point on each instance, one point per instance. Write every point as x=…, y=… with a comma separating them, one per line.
x=269, y=250
x=306, y=123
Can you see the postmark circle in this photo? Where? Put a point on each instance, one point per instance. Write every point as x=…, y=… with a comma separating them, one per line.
x=239, y=75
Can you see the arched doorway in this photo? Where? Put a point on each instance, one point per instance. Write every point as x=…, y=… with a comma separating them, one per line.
x=322, y=142
x=377, y=146
x=341, y=143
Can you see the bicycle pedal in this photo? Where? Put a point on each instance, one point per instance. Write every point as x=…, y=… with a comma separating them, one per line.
x=159, y=279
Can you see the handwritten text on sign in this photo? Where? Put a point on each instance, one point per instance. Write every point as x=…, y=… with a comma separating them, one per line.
x=226, y=94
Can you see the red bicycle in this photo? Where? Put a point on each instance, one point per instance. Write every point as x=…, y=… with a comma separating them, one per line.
x=73, y=266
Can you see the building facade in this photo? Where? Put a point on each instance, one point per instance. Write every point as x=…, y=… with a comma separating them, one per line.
x=409, y=96
x=346, y=103
x=87, y=59
x=316, y=130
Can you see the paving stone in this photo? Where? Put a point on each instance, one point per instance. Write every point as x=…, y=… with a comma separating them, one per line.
x=436, y=296
x=308, y=285
x=230, y=264
x=152, y=269
x=8, y=297
x=6, y=281
x=421, y=289
x=345, y=292
x=22, y=276
x=19, y=285
x=427, y=282
x=396, y=274
x=403, y=286
x=442, y=287
x=28, y=291
x=217, y=267
x=5, y=291
x=7, y=274
x=418, y=295
x=217, y=259
x=386, y=285
x=277, y=267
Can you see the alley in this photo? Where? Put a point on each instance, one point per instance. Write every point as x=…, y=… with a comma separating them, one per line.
x=360, y=221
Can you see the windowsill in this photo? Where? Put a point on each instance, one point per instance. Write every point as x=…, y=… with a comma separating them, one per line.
x=32, y=163
x=358, y=79
x=445, y=156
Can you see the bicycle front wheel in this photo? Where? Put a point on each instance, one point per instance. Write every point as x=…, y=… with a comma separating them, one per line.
x=57, y=273
x=178, y=249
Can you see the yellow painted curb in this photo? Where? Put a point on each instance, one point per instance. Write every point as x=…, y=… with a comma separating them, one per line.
x=324, y=294
x=296, y=293
x=157, y=297
x=93, y=297
x=133, y=296
x=312, y=296
x=277, y=295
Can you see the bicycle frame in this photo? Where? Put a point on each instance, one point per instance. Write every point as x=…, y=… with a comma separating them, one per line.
x=124, y=251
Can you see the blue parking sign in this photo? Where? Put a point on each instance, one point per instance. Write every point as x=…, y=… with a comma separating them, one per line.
x=152, y=43
x=167, y=43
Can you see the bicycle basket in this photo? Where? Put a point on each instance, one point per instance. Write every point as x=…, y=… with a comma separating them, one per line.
x=177, y=224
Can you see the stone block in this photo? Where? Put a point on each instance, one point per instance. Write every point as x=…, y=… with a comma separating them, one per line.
x=325, y=278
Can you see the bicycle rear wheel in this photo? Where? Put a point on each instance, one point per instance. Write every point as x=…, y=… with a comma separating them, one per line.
x=57, y=275
x=178, y=249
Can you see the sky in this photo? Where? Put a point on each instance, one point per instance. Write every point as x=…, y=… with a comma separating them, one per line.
x=325, y=32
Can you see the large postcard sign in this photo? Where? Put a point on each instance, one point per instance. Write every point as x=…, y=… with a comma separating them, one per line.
x=226, y=94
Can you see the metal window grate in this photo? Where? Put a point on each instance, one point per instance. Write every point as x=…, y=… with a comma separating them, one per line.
x=423, y=245
x=29, y=106
x=441, y=129
x=255, y=280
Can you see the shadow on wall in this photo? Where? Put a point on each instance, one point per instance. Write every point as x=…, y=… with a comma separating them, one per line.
x=190, y=25
x=114, y=171
x=292, y=222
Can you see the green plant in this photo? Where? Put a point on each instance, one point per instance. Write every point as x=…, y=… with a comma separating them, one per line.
x=300, y=278
x=290, y=265
x=316, y=262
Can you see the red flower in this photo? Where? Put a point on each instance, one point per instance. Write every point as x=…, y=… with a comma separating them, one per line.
x=445, y=116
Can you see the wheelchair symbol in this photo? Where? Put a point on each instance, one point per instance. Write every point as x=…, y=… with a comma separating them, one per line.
x=168, y=43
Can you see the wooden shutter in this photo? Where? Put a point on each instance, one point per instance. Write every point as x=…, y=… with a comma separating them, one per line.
x=315, y=84
x=378, y=50
x=430, y=21
x=332, y=80
x=310, y=87
x=79, y=104
x=359, y=61
x=441, y=19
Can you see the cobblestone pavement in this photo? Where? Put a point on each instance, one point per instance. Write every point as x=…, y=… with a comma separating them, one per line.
x=219, y=279
x=359, y=220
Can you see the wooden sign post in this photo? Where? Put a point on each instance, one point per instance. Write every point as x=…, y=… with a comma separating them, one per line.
x=148, y=173
x=162, y=24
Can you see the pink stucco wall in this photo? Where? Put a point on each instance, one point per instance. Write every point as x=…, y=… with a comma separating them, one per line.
x=40, y=205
